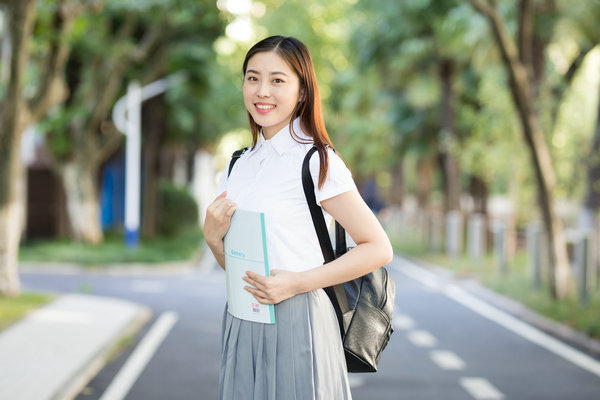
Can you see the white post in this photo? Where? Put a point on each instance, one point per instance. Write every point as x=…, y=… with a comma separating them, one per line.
x=534, y=252
x=499, y=232
x=453, y=233
x=476, y=236
x=131, y=126
x=132, y=164
x=435, y=232
x=583, y=262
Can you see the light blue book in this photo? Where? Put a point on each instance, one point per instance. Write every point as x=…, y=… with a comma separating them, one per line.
x=246, y=250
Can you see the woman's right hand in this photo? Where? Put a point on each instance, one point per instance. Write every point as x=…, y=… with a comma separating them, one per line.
x=218, y=219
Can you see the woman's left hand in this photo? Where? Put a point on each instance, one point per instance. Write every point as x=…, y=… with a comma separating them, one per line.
x=273, y=289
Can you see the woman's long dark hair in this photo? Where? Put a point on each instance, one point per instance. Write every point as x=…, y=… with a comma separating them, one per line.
x=296, y=54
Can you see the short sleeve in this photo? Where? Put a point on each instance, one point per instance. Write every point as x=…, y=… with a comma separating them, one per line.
x=339, y=178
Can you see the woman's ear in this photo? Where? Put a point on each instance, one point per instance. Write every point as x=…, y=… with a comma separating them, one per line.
x=301, y=96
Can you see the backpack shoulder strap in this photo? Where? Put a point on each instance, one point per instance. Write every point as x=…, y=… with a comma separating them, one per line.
x=234, y=157
x=336, y=293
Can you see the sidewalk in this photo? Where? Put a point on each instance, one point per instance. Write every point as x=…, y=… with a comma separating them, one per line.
x=52, y=353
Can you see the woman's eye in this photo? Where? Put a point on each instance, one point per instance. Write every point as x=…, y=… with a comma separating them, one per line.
x=277, y=80
x=252, y=78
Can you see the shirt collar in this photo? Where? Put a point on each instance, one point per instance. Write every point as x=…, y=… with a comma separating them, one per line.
x=282, y=141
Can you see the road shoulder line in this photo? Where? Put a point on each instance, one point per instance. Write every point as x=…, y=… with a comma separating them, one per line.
x=502, y=318
x=137, y=361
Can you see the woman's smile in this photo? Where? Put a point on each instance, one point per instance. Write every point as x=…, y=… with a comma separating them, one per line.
x=264, y=108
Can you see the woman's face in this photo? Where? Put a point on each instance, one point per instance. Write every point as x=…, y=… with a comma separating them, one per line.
x=271, y=92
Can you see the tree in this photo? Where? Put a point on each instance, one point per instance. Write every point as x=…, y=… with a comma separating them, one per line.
x=584, y=20
x=420, y=53
x=518, y=59
x=17, y=111
x=129, y=40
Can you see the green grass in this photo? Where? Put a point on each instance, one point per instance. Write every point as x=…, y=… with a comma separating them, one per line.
x=14, y=308
x=113, y=250
x=515, y=284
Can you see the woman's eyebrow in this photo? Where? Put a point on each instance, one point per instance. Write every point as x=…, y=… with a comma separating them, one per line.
x=252, y=71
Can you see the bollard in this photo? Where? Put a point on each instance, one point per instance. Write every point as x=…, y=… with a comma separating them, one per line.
x=475, y=236
x=393, y=223
x=534, y=250
x=422, y=227
x=435, y=232
x=453, y=233
x=499, y=239
x=582, y=264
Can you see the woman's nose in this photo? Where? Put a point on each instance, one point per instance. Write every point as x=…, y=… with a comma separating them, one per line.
x=263, y=90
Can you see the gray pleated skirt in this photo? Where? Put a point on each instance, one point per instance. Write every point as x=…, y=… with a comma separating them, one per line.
x=299, y=357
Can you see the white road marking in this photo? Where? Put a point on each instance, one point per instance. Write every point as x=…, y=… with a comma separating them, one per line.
x=137, y=361
x=506, y=320
x=355, y=381
x=402, y=322
x=419, y=274
x=147, y=286
x=447, y=360
x=422, y=338
x=481, y=389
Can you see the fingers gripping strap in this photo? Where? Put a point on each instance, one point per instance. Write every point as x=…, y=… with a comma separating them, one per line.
x=336, y=293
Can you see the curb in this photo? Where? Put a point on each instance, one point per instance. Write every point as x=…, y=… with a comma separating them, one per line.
x=560, y=331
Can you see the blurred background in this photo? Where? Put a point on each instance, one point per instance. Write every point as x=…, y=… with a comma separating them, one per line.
x=472, y=129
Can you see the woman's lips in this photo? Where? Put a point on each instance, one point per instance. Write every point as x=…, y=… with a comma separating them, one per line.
x=264, y=108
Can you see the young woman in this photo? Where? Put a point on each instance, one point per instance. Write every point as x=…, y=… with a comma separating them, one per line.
x=301, y=355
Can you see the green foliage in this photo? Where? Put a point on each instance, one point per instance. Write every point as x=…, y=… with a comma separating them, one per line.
x=108, y=43
x=178, y=209
x=113, y=250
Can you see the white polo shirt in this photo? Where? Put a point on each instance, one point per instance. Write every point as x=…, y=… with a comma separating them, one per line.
x=268, y=179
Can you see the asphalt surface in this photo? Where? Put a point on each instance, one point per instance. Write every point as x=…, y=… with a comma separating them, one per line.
x=445, y=345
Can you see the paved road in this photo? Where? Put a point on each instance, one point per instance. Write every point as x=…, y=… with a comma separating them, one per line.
x=447, y=344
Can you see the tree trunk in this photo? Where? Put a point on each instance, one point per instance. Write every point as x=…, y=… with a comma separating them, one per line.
x=397, y=187
x=424, y=182
x=561, y=278
x=153, y=126
x=479, y=194
x=451, y=181
x=83, y=207
x=11, y=212
x=449, y=164
x=14, y=116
